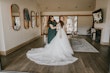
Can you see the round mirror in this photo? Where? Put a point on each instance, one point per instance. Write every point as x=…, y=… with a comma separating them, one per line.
x=26, y=18
x=33, y=19
x=15, y=17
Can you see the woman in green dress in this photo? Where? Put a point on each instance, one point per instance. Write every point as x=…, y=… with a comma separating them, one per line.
x=52, y=28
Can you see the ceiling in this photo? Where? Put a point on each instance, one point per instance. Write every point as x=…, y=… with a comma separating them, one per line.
x=66, y=5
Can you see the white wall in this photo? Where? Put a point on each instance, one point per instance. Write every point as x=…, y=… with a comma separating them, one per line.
x=68, y=13
x=2, y=45
x=102, y=5
x=84, y=24
x=106, y=24
x=108, y=19
x=14, y=38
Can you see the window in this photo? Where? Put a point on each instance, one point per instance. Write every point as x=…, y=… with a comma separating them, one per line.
x=56, y=18
x=69, y=21
x=71, y=24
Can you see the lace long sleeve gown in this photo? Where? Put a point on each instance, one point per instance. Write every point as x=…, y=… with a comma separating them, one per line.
x=57, y=52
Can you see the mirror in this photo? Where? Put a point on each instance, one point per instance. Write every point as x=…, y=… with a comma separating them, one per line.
x=33, y=19
x=98, y=16
x=26, y=18
x=15, y=17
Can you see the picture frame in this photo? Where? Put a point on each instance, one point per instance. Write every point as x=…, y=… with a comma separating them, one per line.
x=98, y=16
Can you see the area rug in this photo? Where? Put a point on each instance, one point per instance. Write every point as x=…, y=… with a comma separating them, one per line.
x=81, y=45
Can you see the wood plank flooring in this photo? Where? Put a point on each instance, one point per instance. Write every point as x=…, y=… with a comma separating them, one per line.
x=87, y=62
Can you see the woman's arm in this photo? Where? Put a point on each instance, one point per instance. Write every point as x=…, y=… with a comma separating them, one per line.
x=52, y=27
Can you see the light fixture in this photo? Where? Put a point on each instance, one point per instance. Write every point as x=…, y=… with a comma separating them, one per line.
x=76, y=6
x=59, y=7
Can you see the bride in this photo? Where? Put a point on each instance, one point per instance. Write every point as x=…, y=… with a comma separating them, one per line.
x=57, y=52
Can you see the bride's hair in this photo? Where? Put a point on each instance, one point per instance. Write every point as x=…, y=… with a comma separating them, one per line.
x=61, y=21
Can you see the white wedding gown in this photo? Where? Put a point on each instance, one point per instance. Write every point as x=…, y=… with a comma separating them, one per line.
x=58, y=52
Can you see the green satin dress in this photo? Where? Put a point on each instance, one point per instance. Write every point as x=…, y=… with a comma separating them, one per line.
x=51, y=32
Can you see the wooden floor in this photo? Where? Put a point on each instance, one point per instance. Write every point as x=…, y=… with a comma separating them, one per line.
x=87, y=62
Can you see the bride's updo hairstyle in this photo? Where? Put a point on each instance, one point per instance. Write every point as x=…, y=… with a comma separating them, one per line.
x=61, y=21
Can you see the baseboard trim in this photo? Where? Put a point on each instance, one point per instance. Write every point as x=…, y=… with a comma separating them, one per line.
x=4, y=53
x=104, y=43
